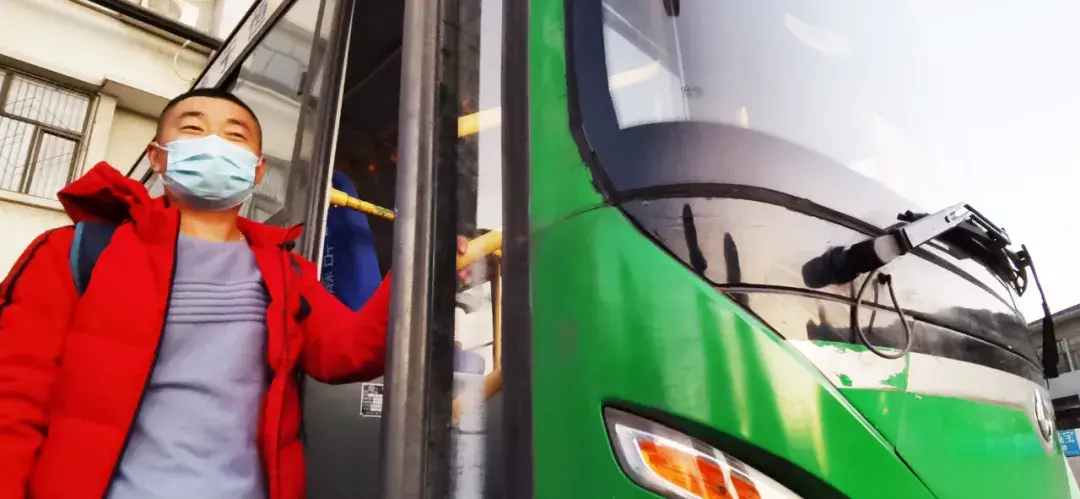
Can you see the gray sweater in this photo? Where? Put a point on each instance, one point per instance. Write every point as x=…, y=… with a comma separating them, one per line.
x=195, y=435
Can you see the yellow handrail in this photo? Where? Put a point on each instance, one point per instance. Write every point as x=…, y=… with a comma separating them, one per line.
x=338, y=198
x=478, y=248
x=487, y=244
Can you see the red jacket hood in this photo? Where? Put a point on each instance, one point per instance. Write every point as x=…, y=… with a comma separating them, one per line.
x=104, y=194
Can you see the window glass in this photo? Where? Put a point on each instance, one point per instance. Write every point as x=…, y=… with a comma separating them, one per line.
x=308, y=180
x=270, y=82
x=42, y=128
x=476, y=48
x=644, y=78
x=52, y=165
x=49, y=105
x=265, y=201
x=1068, y=350
x=924, y=97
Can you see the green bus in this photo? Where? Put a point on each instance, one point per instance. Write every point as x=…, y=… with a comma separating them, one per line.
x=730, y=265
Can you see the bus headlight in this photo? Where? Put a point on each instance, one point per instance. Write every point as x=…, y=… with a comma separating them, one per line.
x=680, y=467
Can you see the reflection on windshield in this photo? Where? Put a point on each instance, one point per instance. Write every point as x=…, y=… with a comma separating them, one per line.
x=852, y=82
x=939, y=102
x=655, y=96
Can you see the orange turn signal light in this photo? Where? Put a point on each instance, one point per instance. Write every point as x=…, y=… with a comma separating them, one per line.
x=674, y=465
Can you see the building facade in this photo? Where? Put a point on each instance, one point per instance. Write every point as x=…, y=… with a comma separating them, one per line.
x=1065, y=389
x=82, y=81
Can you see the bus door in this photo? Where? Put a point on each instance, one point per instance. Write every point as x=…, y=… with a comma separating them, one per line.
x=421, y=132
x=398, y=151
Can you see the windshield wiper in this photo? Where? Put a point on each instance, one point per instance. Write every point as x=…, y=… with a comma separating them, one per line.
x=977, y=238
x=843, y=264
x=966, y=232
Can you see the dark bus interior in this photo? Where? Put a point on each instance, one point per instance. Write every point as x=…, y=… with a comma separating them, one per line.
x=367, y=137
x=343, y=448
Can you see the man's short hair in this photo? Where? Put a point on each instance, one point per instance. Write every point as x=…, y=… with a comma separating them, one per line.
x=212, y=93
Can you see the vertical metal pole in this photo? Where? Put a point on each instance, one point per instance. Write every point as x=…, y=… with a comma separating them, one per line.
x=516, y=286
x=325, y=118
x=1070, y=364
x=405, y=430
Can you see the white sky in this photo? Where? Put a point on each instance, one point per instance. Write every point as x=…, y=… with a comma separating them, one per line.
x=1017, y=159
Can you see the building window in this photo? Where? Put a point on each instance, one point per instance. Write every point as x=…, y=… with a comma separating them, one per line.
x=1068, y=357
x=269, y=196
x=42, y=133
x=269, y=81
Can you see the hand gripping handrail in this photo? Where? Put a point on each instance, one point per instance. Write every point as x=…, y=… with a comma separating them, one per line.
x=487, y=244
x=481, y=247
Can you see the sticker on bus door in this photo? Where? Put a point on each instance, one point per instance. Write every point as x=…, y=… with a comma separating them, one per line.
x=371, y=398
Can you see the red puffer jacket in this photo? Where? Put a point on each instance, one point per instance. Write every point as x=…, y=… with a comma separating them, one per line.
x=73, y=370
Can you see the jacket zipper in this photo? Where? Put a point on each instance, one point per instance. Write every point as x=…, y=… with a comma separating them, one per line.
x=153, y=365
x=284, y=361
x=266, y=405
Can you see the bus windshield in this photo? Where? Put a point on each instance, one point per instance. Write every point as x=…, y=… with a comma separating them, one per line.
x=899, y=92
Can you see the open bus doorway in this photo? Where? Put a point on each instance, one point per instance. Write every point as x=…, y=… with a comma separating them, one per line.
x=343, y=426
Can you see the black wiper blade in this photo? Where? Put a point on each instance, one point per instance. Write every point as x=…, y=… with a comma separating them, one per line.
x=981, y=240
x=843, y=264
x=960, y=227
x=965, y=232
x=1049, y=337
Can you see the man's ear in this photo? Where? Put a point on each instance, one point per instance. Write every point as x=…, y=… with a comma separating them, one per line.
x=260, y=170
x=157, y=157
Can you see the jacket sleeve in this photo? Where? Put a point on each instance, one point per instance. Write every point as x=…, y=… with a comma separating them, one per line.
x=340, y=345
x=36, y=303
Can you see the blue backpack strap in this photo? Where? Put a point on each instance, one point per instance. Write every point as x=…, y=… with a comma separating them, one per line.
x=90, y=240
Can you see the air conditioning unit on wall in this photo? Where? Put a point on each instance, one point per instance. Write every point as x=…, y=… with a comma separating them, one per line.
x=167, y=8
x=194, y=13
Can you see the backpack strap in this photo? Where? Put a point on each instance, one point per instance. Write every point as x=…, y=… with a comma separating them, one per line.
x=91, y=238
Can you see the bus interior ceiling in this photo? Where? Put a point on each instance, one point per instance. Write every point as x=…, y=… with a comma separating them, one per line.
x=367, y=138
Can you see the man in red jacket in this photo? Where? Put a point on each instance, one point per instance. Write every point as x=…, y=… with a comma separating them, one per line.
x=171, y=376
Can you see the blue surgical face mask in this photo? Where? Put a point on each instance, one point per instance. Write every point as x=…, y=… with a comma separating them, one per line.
x=209, y=173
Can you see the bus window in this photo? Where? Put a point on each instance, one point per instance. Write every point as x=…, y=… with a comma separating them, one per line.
x=271, y=81
x=477, y=404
